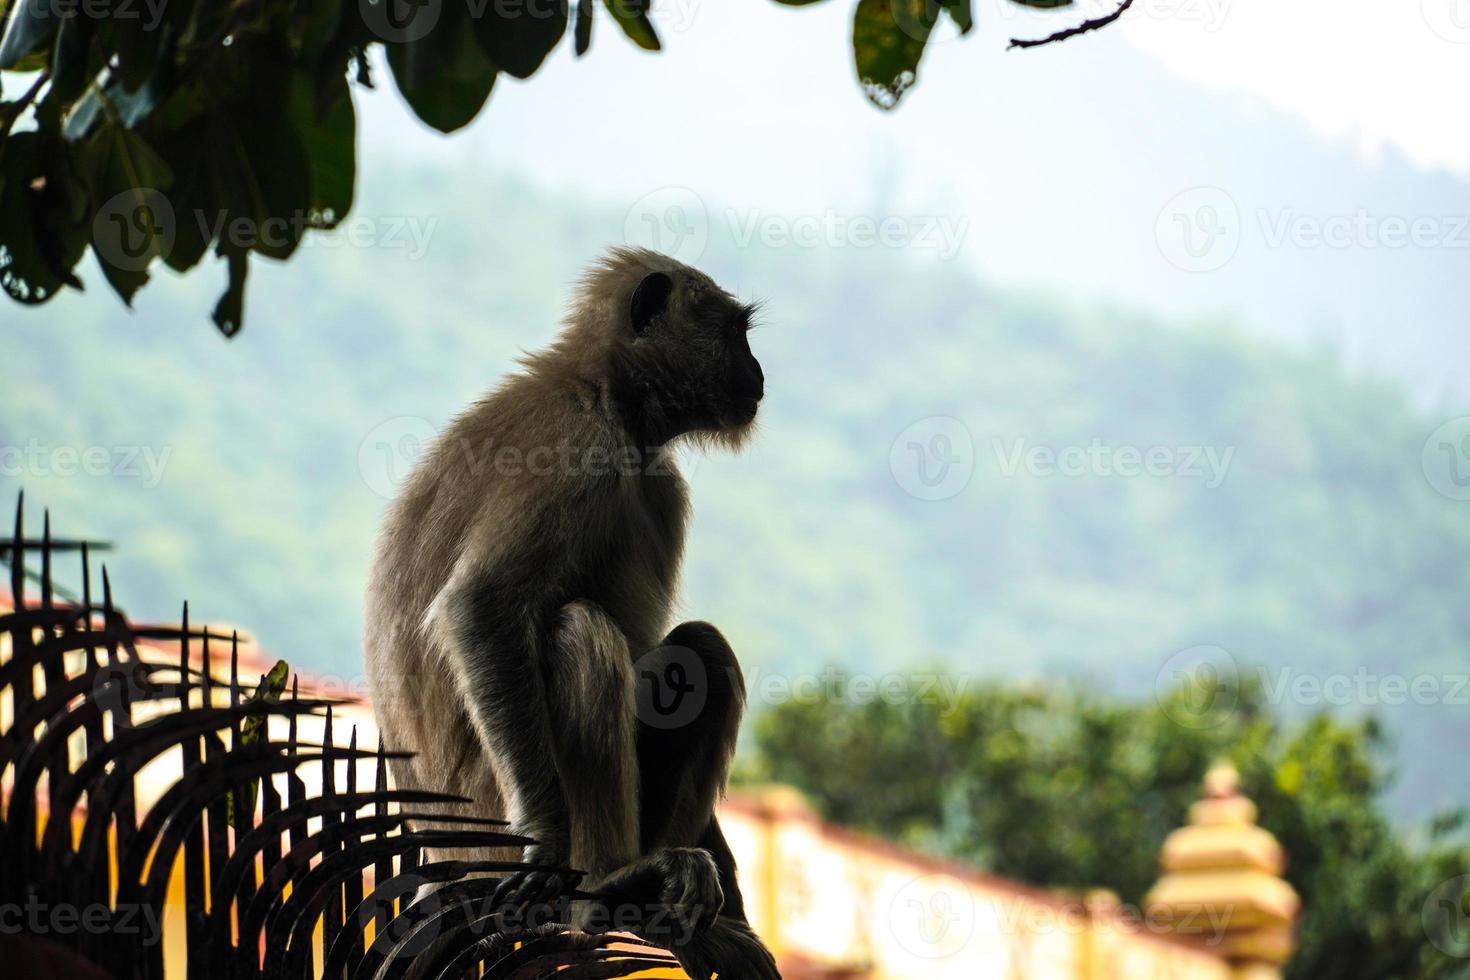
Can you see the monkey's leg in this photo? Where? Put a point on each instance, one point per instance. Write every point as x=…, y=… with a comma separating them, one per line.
x=590, y=688
x=691, y=695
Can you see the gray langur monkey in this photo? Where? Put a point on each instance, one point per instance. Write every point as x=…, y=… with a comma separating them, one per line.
x=518, y=610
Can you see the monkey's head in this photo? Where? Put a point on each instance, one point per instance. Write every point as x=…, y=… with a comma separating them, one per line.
x=677, y=354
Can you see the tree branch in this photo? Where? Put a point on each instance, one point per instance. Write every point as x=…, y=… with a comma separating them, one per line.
x=1082, y=28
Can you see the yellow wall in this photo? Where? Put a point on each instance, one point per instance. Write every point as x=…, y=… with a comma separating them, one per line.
x=837, y=902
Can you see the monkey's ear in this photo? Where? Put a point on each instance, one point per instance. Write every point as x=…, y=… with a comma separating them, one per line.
x=649, y=300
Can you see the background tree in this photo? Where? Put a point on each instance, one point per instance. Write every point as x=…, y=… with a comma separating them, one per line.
x=1064, y=788
x=162, y=129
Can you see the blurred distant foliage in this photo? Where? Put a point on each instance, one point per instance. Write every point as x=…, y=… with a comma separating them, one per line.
x=162, y=129
x=1064, y=788
x=1323, y=551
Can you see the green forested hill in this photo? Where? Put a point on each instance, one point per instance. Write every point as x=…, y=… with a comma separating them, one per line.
x=1314, y=548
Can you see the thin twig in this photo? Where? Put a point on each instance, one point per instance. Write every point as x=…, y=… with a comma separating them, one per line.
x=1082, y=28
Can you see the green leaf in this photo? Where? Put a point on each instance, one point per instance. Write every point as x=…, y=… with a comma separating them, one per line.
x=261, y=173
x=193, y=205
x=959, y=12
x=69, y=68
x=632, y=17
x=888, y=39
x=28, y=27
x=445, y=76
x=133, y=222
x=24, y=272
x=63, y=221
x=328, y=135
x=140, y=46
x=270, y=688
x=313, y=24
x=518, y=37
x=582, y=39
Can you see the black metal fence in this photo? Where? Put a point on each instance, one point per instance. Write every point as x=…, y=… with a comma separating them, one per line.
x=327, y=882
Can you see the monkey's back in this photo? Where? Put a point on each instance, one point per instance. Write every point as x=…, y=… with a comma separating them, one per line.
x=601, y=534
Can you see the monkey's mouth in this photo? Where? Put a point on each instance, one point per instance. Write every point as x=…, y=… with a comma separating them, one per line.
x=744, y=411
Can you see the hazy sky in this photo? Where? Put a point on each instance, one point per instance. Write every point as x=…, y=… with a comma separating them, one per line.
x=1299, y=168
x=1378, y=74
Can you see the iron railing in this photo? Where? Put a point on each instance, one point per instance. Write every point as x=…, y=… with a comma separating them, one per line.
x=326, y=881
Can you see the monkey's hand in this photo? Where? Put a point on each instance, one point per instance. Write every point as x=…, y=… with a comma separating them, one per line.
x=547, y=880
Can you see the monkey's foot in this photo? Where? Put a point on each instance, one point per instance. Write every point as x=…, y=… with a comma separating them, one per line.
x=729, y=949
x=666, y=897
x=522, y=891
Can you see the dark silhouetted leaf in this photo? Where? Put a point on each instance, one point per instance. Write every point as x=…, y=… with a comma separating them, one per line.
x=133, y=223
x=583, y=30
x=632, y=17
x=445, y=76
x=24, y=272
x=888, y=39
x=328, y=137
x=141, y=46
x=313, y=25
x=518, y=37
x=28, y=27
x=959, y=12
x=193, y=205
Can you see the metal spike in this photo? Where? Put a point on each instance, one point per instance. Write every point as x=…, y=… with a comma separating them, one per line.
x=329, y=762
x=18, y=559
x=291, y=730
x=107, y=614
x=87, y=603
x=184, y=660
x=235, y=670
x=352, y=769
x=206, y=682
x=46, y=559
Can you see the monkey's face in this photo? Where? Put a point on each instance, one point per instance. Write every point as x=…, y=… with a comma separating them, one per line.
x=693, y=354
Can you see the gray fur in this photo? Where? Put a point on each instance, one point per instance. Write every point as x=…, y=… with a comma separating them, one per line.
x=533, y=556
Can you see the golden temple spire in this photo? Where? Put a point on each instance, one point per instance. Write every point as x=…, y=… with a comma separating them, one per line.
x=1222, y=881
